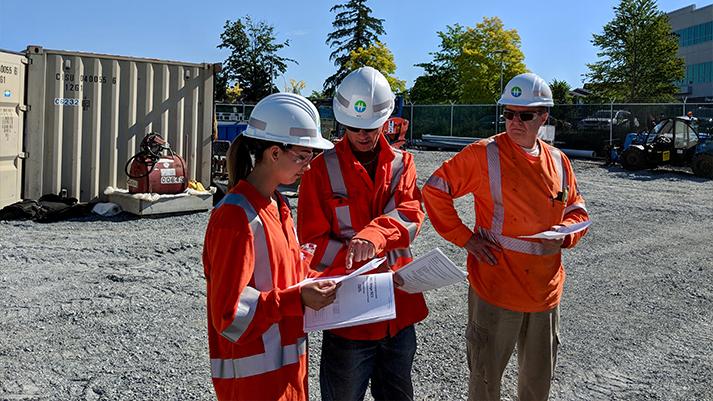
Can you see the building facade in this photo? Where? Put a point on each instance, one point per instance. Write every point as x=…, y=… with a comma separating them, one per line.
x=694, y=27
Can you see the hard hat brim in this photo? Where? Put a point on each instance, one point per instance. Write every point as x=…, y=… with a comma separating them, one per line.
x=308, y=142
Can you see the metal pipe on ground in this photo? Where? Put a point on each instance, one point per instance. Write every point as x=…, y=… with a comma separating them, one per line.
x=579, y=153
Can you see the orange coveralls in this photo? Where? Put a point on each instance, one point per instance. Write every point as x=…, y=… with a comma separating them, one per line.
x=386, y=211
x=251, y=257
x=515, y=194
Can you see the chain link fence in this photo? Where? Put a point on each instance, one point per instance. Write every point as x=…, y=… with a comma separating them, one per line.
x=581, y=126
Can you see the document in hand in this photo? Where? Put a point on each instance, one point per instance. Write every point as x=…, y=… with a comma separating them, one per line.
x=561, y=232
x=360, y=300
x=428, y=272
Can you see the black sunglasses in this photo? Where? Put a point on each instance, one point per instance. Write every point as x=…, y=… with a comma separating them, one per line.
x=523, y=115
x=354, y=129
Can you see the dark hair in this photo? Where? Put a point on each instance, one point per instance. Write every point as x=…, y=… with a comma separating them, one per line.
x=240, y=154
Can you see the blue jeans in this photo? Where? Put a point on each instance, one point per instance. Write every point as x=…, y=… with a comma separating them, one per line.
x=347, y=365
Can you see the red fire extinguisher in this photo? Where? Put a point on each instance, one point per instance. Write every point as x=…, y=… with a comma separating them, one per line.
x=156, y=168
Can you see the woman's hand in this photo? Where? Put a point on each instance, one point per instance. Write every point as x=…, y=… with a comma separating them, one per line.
x=318, y=294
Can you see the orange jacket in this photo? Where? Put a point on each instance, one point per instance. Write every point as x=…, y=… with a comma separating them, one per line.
x=526, y=278
x=385, y=212
x=255, y=339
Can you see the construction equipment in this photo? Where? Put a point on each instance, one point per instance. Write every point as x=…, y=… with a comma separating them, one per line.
x=156, y=168
x=395, y=129
x=673, y=141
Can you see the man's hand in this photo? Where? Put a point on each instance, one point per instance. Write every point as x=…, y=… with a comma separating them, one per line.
x=398, y=280
x=552, y=245
x=483, y=249
x=359, y=250
x=318, y=294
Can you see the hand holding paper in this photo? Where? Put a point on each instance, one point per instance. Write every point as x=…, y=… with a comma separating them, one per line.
x=561, y=232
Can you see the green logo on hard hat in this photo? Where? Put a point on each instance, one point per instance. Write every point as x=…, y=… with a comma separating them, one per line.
x=516, y=91
x=360, y=106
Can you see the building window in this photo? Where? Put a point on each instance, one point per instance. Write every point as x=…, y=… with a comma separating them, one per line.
x=696, y=34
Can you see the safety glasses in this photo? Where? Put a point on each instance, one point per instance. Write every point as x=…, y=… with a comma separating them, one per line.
x=302, y=158
x=367, y=131
x=523, y=115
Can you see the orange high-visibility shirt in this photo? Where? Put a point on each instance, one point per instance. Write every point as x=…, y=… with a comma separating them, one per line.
x=320, y=210
x=533, y=201
x=251, y=257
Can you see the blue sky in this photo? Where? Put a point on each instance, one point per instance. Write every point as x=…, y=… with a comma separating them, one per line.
x=556, y=35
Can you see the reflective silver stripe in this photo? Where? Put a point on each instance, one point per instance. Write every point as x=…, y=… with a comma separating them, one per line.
x=336, y=180
x=296, y=131
x=262, y=273
x=333, y=247
x=496, y=190
x=517, y=245
x=397, y=170
x=391, y=204
x=274, y=357
x=258, y=124
x=393, y=255
x=335, y=173
x=438, y=183
x=247, y=304
x=344, y=219
x=409, y=225
x=342, y=100
x=559, y=166
x=382, y=106
x=575, y=206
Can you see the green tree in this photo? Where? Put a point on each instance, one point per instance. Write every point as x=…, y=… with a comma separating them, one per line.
x=379, y=57
x=560, y=92
x=354, y=28
x=638, y=55
x=253, y=61
x=467, y=67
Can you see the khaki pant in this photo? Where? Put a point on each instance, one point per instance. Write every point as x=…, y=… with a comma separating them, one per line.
x=491, y=335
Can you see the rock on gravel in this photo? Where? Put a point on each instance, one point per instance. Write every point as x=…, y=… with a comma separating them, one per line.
x=98, y=309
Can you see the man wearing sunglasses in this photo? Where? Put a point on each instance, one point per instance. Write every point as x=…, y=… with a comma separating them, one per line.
x=358, y=201
x=521, y=186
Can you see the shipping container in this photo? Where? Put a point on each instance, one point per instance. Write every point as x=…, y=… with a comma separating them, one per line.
x=12, y=110
x=87, y=114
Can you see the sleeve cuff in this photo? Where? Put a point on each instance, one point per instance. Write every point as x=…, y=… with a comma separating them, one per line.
x=291, y=302
x=373, y=236
x=461, y=235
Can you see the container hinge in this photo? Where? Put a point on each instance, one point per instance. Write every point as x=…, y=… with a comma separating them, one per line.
x=23, y=155
x=21, y=107
x=25, y=61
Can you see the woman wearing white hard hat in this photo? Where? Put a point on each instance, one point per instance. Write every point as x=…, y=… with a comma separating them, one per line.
x=360, y=201
x=252, y=259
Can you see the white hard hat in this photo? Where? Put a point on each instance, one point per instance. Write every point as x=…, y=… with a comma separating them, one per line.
x=363, y=99
x=287, y=118
x=527, y=90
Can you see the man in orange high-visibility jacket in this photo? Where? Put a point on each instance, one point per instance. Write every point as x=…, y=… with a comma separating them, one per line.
x=521, y=186
x=360, y=200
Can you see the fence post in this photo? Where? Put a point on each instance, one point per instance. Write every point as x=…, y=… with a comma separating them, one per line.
x=243, y=103
x=451, y=132
x=685, y=99
x=611, y=123
x=410, y=126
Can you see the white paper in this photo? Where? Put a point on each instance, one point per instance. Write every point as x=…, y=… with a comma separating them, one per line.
x=561, y=232
x=373, y=264
x=430, y=271
x=360, y=300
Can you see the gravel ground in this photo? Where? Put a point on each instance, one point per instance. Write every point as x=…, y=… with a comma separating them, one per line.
x=99, y=309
